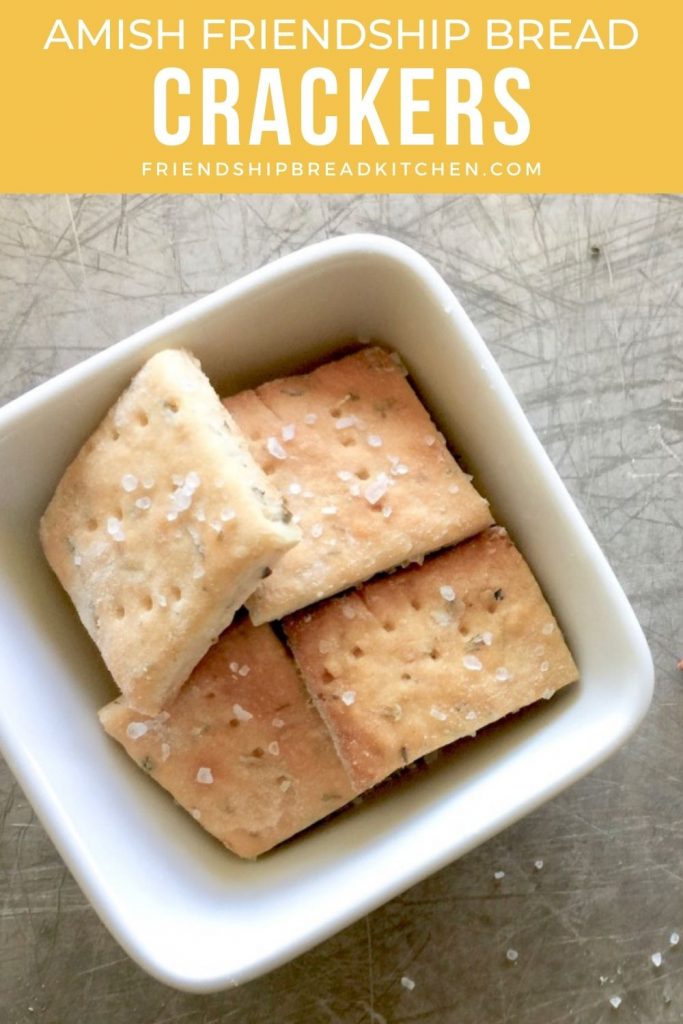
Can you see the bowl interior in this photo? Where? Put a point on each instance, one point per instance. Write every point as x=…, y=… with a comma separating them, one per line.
x=190, y=913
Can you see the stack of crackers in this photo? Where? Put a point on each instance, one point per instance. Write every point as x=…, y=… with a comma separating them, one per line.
x=181, y=509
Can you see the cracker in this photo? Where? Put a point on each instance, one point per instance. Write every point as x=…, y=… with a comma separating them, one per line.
x=364, y=470
x=241, y=748
x=416, y=660
x=161, y=528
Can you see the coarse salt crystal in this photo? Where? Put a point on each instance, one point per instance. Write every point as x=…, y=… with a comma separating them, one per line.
x=227, y=514
x=498, y=875
x=309, y=494
x=512, y=955
x=429, y=440
x=129, y=482
x=447, y=593
x=374, y=440
x=278, y=723
x=656, y=959
x=288, y=431
x=548, y=628
x=115, y=529
x=243, y=670
x=148, y=482
x=162, y=601
x=241, y=714
x=354, y=490
x=275, y=448
x=547, y=694
x=165, y=751
x=376, y=489
x=192, y=481
x=344, y=422
x=295, y=488
x=329, y=510
x=134, y=730
x=317, y=530
x=196, y=813
x=77, y=559
x=285, y=785
x=674, y=939
x=198, y=572
x=487, y=638
x=437, y=713
x=177, y=479
x=274, y=748
x=400, y=470
x=441, y=618
x=344, y=475
x=386, y=511
x=205, y=776
x=143, y=503
x=471, y=662
x=538, y=864
x=407, y=982
x=502, y=674
x=545, y=665
x=615, y=1001
x=471, y=715
x=348, y=611
x=310, y=418
x=348, y=697
x=234, y=667
x=181, y=499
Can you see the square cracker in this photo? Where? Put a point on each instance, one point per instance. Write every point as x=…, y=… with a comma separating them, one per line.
x=433, y=653
x=161, y=527
x=364, y=470
x=241, y=748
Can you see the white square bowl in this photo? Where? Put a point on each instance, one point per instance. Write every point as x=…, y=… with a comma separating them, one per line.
x=191, y=914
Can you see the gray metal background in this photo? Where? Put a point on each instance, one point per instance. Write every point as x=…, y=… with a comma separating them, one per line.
x=579, y=299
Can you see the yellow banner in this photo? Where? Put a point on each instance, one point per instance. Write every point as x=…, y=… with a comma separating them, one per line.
x=353, y=97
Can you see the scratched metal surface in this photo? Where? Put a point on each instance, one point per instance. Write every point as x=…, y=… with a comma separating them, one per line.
x=580, y=300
